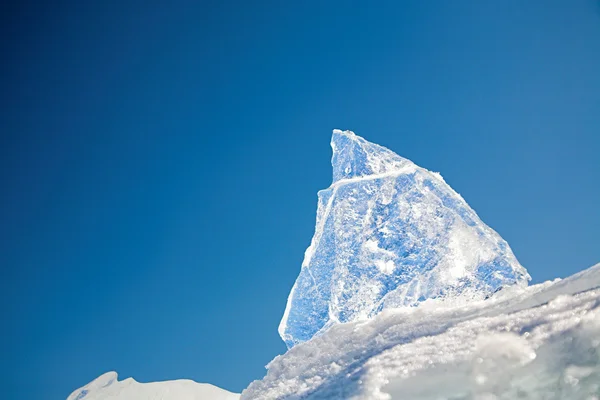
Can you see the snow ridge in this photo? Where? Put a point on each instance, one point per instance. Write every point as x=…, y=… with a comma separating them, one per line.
x=107, y=387
x=539, y=342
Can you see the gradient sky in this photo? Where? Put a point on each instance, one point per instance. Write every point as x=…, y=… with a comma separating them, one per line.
x=160, y=162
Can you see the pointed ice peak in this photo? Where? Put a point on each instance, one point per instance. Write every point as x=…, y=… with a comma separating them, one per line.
x=390, y=234
x=355, y=157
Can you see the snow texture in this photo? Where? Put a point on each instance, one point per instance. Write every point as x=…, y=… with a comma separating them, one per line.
x=539, y=343
x=107, y=387
x=390, y=234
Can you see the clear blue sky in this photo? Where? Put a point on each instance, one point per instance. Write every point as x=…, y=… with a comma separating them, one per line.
x=160, y=162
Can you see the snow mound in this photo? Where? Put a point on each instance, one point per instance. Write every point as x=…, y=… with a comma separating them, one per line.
x=390, y=234
x=540, y=342
x=107, y=387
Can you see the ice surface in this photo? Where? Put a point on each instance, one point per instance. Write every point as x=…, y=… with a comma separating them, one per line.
x=390, y=234
x=107, y=387
x=539, y=343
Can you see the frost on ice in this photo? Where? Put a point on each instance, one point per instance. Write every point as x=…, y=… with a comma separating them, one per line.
x=390, y=234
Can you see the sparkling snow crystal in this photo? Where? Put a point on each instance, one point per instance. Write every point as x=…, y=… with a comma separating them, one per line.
x=389, y=234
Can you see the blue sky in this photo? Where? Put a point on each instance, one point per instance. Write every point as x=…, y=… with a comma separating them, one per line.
x=160, y=162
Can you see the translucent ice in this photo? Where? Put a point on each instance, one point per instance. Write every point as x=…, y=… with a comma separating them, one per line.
x=390, y=234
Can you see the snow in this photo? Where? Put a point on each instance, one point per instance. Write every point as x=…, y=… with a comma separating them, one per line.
x=390, y=234
x=538, y=342
x=107, y=387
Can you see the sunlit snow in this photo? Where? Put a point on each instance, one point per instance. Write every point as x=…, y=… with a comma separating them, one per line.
x=538, y=343
x=107, y=387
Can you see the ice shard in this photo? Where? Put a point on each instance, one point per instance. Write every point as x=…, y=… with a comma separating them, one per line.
x=390, y=234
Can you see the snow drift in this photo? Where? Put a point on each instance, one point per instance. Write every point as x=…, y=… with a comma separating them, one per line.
x=539, y=343
x=107, y=387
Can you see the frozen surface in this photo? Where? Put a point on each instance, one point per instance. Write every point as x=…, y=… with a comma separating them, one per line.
x=539, y=343
x=108, y=387
x=390, y=234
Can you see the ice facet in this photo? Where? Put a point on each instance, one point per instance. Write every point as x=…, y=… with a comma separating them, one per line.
x=389, y=234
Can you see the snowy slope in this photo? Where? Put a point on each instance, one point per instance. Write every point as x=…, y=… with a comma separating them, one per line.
x=540, y=342
x=107, y=387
